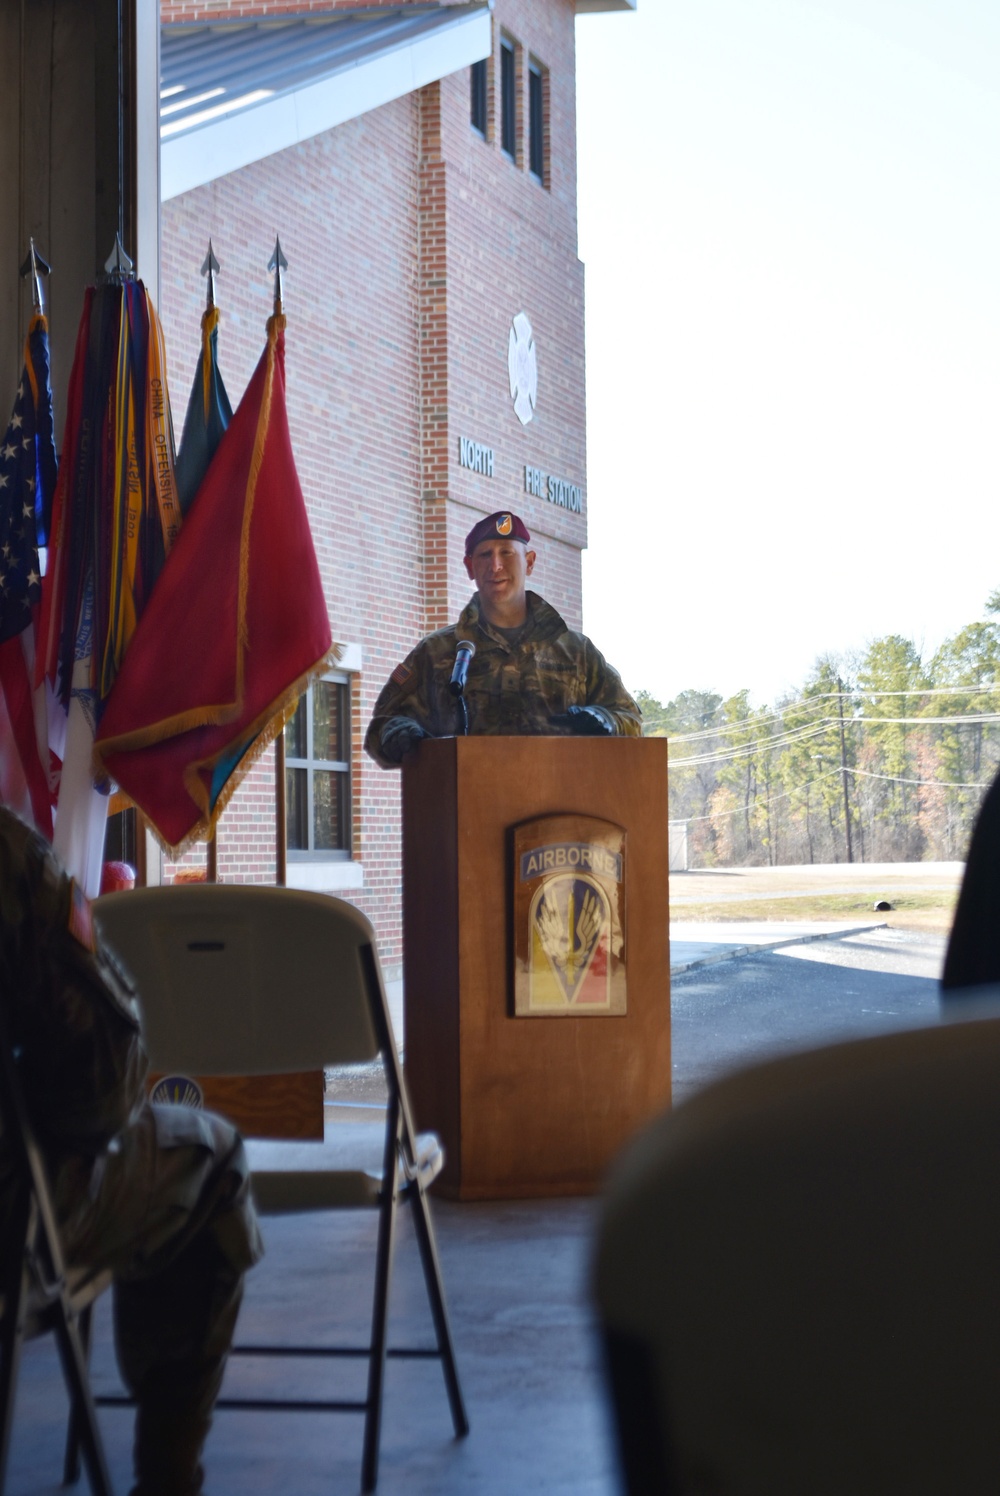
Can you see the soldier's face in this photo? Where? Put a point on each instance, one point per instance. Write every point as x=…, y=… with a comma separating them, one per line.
x=500, y=569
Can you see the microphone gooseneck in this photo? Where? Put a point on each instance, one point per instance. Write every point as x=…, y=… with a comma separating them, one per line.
x=464, y=651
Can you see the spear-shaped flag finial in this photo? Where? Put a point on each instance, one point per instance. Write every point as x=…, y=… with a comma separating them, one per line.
x=277, y=263
x=118, y=267
x=211, y=268
x=36, y=267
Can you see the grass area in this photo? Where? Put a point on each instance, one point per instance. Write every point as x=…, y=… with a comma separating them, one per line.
x=930, y=910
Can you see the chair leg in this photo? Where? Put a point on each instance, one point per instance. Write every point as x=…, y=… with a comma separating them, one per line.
x=83, y=1414
x=12, y=1361
x=380, y=1306
x=11, y=1329
x=71, y=1459
x=11, y=1353
x=424, y=1228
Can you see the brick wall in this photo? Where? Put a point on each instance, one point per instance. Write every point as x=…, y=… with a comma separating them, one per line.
x=345, y=206
x=433, y=296
x=512, y=248
x=412, y=243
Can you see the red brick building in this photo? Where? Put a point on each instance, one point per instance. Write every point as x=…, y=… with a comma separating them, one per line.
x=424, y=189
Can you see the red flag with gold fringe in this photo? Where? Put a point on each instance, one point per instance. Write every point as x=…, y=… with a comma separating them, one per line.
x=233, y=632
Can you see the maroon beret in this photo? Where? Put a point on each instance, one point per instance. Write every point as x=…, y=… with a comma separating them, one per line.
x=502, y=525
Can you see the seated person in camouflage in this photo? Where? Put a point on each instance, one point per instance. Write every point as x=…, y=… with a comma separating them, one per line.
x=157, y=1194
x=530, y=674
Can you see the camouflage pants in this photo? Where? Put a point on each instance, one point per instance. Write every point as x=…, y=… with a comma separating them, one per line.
x=167, y=1209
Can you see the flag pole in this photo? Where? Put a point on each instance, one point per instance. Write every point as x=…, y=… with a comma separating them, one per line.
x=139, y=851
x=209, y=268
x=281, y=816
x=278, y=263
x=36, y=267
x=118, y=267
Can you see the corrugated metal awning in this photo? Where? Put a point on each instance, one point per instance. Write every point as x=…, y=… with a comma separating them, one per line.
x=232, y=92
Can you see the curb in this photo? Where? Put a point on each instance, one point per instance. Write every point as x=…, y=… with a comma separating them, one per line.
x=733, y=952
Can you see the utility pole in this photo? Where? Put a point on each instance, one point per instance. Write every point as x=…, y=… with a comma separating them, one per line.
x=843, y=768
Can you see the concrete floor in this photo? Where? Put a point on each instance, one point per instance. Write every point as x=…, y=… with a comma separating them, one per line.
x=516, y=1277
x=516, y=1280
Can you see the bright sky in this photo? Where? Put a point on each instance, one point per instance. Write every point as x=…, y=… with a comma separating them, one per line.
x=790, y=219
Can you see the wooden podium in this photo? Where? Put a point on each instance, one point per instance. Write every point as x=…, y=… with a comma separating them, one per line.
x=531, y=1105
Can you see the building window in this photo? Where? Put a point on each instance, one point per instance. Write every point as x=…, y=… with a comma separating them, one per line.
x=537, y=152
x=318, y=771
x=478, y=111
x=508, y=100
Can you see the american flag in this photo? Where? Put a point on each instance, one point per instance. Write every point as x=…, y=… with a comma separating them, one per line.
x=20, y=578
x=27, y=478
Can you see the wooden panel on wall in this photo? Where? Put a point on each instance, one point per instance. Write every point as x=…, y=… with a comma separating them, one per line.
x=10, y=221
x=261, y=1106
x=59, y=174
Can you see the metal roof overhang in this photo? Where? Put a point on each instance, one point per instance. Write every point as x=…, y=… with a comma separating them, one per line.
x=233, y=92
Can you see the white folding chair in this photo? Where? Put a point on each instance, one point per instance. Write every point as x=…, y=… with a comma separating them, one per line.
x=249, y=980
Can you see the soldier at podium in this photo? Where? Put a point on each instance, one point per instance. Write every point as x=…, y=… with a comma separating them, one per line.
x=510, y=665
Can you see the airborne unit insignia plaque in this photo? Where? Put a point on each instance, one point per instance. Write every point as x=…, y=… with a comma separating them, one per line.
x=569, y=917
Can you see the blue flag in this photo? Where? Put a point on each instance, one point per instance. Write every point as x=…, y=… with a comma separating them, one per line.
x=208, y=414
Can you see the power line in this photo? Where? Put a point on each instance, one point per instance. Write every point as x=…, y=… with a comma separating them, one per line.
x=758, y=745
x=985, y=690
x=828, y=724
x=971, y=717
x=814, y=703
x=741, y=724
x=940, y=784
x=738, y=810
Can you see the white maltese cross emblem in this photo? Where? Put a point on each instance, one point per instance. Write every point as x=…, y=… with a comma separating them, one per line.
x=522, y=367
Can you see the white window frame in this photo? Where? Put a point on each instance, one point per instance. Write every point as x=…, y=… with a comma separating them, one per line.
x=333, y=870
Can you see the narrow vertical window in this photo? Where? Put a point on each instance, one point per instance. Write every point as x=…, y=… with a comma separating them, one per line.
x=508, y=100
x=318, y=771
x=478, y=109
x=536, y=121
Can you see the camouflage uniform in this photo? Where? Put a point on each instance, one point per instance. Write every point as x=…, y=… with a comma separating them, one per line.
x=157, y=1194
x=511, y=689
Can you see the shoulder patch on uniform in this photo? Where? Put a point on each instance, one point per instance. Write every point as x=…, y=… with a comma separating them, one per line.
x=81, y=919
x=402, y=675
x=178, y=1090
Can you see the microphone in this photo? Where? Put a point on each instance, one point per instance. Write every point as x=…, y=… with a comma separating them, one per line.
x=464, y=651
